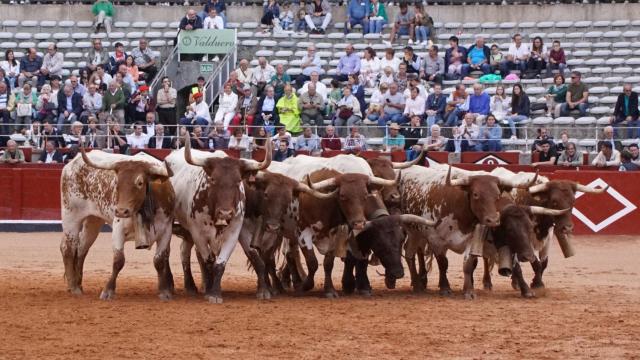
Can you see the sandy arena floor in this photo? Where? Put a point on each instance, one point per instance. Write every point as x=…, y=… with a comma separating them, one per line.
x=590, y=309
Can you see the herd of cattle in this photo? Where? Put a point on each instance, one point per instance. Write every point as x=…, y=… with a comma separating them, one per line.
x=363, y=211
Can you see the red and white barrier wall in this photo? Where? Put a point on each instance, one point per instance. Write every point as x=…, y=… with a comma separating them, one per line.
x=31, y=192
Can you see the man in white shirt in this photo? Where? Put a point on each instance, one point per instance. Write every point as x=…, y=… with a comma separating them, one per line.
x=159, y=141
x=320, y=87
x=150, y=125
x=607, y=156
x=213, y=21
x=105, y=77
x=197, y=113
x=91, y=103
x=245, y=74
x=50, y=154
x=414, y=105
x=137, y=140
x=469, y=130
x=516, y=58
x=261, y=76
x=310, y=63
x=52, y=62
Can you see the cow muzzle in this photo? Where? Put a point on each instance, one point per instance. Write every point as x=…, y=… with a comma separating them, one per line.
x=123, y=212
x=272, y=227
x=223, y=217
x=358, y=226
x=492, y=221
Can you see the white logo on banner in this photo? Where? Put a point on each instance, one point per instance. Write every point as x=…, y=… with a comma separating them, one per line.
x=491, y=160
x=628, y=207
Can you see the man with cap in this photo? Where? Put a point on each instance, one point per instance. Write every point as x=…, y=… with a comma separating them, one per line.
x=246, y=108
x=394, y=141
x=141, y=103
x=197, y=113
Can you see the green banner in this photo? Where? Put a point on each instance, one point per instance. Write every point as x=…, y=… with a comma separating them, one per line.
x=206, y=41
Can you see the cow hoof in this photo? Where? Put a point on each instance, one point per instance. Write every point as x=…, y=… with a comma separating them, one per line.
x=446, y=292
x=515, y=285
x=330, y=294
x=76, y=291
x=365, y=292
x=537, y=285
x=214, y=299
x=263, y=294
x=275, y=292
x=488, y=286
x=107, y=295
x=308, y=284
x=165, y=295
x=469, y=296
x=528, y=295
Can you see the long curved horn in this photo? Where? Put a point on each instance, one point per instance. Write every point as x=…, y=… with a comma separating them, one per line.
x=407, y=164
x=323, y=184
x=539, y=210
x=374, y=180
x=320, y=195
x=103, y=165
x=590, y=190
x=251, y=166
x=187, y=152
x=455, y=182
x=159, y=170
x=512, y=184
x=415, y=219
x=538, y=188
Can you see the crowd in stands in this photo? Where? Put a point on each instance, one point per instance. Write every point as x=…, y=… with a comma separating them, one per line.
x=109, y=105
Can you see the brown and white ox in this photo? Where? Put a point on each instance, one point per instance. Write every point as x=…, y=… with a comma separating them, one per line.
x=463, y=203
x=210, y=207
x=133, y=194
x=551, y=194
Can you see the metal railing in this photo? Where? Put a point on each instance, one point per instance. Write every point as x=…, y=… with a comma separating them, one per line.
x=163, y=70
x=219, y=76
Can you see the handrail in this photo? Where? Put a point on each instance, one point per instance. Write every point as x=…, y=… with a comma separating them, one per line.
x=224, y=64
x=163, y=70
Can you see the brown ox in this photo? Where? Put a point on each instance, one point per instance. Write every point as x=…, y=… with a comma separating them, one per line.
x=133, y=195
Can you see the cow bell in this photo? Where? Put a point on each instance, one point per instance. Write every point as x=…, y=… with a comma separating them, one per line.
x=505, y=261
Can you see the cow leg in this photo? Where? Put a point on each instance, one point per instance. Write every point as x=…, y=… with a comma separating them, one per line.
x=362, y=280
x=486, y=278
x=214, y=293
x=254, y=257
x=275, y=286
x=422, y=269
x=161, y=263
x=185, y=257
x=312, y=267
x=538, y=269
x=329, y=291
x=69, y=250
x=90, y=230
x=348, y=280
x=117, y=235
x=413, y=271
x=525, y=291
x=469, y=266
x=443, y=281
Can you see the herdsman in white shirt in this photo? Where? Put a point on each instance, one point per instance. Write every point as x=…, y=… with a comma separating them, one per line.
x=213, y=21
x=137, y=140
x=516, y=58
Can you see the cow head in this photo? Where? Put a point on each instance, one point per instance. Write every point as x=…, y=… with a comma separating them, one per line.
x=384, y=236
x=353, y=190
x=560, y=194
x=384, y=168
x=224, y=176
x=133, y=189
x=483, y=193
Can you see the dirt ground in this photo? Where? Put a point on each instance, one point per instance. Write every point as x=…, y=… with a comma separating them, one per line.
x=590, y=309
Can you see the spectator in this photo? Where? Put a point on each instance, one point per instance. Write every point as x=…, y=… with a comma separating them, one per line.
x=281, y=135
x=245, y=109
x=457, y=144
x=376, y=104
x=414, y=106
x=74, y=138
x=260, y=139
x=557, y=59
x=478, y=57
x=198, y=112
x=423, y=25
x=97, y=55
x=453, y=58
x=626, y=112
x=45, y=107
x=12, y=154
x=141, y=104
x=435, y=107
x=433, y=69
x=470, y=131
x=349, y=63
x=5, y=113
x=369, y=68
x=394, y=141
x=33, y=135
x=103, y=11
x=547, y=154
x=213, y=21
x=516, y=58
x=198, y=140
x=500, y=104
x=320, y=87
x=288, y=112
x=118, y=58
x=435, y=141
x=149, y=127
x=283, y=151
x=11, y=68
x=279, y=80
x=403, y=25
x=358, y=12
x=51, y=64
x=564, y=141
x=520, y=109
x=354, y=142
x=91, y=103
x=51, y=133
x=625, y=162
x=393, y=106
x=608, y=133
x=30, y=66
x=191, y=21
x=239, y=140
x=5, y=80
x=166, y=101
x=538, y=59
x=377, y=17
x=349, y=113
x=311, y=106
x=577, y=96
x=236, y=85
x=227, y=103
x=218, y=5
x=220, y=136
x=318, y=14
x=245, y=74
x=266, y=115
x=357, y=90
x=127, y=79
x=635, y=154
x=99, y=77
x=607, y=156
x=414, y=82
x=310, y=63
x=457, y=105
x=330, y=141
x=286, y=17
x=556, y=96
x=69, y=107
x=145, y=60
x=113, y=102
x=308, y=141
x=270, y=11
x=301, y=13
x=261, y=76
x=411, y=60
x=159, y=141
x=95, y=138
x=74, y=82
x=390, y=60
x=495, y=59
x=24, y=103
x=479, y=103
x=570, y=156
x=489, y=138
x=412, y=134
x=543, y=136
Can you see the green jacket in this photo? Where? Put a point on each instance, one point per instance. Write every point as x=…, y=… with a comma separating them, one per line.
x=117, y=98
x=105, y=6
x=381, y=11
x=559, y=93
